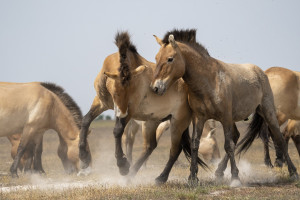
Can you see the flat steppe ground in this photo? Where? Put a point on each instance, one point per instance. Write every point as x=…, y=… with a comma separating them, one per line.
x=259, y=182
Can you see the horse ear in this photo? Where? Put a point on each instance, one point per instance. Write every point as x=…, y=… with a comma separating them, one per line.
x=158, y=40
x=139, y=70
x=111, y=75
x=172, y=41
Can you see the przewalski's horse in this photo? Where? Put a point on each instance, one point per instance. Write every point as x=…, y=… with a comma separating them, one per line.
x=217, y=90
x=208, y=148
x=33, y=108
x=285, y=85
x=125, y=78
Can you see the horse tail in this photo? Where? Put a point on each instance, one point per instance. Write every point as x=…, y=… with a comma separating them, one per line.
x=255, y=130
x=186, y=147
x=122, y=40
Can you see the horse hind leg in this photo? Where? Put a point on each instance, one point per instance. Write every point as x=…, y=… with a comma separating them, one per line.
x=223, y=164
x=148, y=131
x=268, y=112
x=178, y=141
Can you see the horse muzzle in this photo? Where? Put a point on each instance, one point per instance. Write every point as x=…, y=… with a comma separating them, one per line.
x=159, y=87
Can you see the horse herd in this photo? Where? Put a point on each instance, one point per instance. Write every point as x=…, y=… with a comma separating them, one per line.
x=185, y=85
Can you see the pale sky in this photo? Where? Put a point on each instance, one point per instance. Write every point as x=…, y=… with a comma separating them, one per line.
x=66, y=42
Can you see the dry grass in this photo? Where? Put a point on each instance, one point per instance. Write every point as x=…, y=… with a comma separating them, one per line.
x=105, y=182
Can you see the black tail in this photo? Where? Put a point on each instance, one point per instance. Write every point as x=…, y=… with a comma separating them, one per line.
x=122, y=40
x=186, y=147
x=254, y=131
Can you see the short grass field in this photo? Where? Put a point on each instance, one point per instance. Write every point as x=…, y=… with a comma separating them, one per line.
x=259, y=182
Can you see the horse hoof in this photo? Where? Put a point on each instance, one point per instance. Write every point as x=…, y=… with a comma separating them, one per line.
x=14, y=175
x=193, y=181
x=84, y=172
x=161, y=180
x=124, y=166
x=235, y=183
x=295, y=176
x=269, y=164
x=219, y=175
x=278, y=163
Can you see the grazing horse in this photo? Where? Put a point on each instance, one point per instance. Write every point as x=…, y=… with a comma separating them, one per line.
x=33, y=108
x=285, y=85
x=217, y=90
x=208, y=148
x=123, y=83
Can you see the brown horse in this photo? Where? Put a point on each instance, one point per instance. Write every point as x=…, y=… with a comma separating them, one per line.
x=292, y=130
x=33, y=108
x=123, y=84
x=217, y=90
x=285, y=85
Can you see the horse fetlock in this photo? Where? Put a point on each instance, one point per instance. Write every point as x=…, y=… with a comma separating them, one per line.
x=268, y=163
x=123, y=165
x=193, y=180
x=278, y=162
x=161, y=179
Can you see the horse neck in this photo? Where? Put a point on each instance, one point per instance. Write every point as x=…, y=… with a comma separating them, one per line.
x=200, y=71
x=64, y=124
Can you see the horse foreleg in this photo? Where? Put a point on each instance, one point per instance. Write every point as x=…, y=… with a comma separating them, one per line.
x=122, y=161
x=129, y=136
x=96, y=109
x=25, y=138
x=198, y=125
x=38, y=150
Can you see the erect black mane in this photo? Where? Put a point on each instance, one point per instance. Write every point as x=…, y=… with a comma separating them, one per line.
x=122, y=40
x=188, y=37
x=66, y=100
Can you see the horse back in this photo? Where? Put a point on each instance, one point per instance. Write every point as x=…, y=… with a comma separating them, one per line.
x=21, y=104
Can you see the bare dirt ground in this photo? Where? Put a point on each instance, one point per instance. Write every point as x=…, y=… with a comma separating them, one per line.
x=259, y=182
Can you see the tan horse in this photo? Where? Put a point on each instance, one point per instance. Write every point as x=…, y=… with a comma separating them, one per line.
x=33, y=108
x=285, y=85
x=217, y=90
x=123, y=83
x=208, y=148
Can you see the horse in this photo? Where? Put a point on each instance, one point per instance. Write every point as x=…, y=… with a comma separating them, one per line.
x=123, y=84
x=285, y=85
x=217, y=90
x=31, y=109
x=208, y=148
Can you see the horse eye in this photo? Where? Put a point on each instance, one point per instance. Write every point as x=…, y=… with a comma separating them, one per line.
x=170, y=59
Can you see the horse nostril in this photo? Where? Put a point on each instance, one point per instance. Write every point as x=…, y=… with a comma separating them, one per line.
x=155, y=89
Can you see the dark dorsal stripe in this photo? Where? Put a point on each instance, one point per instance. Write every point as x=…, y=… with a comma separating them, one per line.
x=66, y=100
x=188, y=37
x=122, y=40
